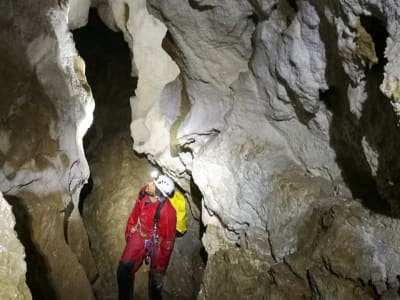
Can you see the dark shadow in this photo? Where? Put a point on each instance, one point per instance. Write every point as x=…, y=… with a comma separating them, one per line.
x=108, y=72
x=105, y=52
x=37, y=275
x=203, y=255
x=379, y=121
x=197, y=197
x=170, y=46
x=86, y=190
x=254, y=17
x=67, y=211
x=260, y=13
x=347, y=132
x=195, y=5
x=293, y=5
x=302, y=114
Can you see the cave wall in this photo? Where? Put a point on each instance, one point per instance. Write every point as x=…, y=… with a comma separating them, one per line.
x=46, y=108
x=283, y=111
x=12, y=280
x=117, y=173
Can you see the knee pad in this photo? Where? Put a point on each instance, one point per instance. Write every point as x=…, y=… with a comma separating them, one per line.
x=125, y=269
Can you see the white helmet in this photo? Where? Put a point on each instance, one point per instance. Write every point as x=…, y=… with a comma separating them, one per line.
x=165, y=185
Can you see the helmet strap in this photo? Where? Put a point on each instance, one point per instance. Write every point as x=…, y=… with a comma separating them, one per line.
x=158, y=192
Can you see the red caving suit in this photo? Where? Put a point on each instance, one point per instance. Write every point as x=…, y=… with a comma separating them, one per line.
x=142, y=217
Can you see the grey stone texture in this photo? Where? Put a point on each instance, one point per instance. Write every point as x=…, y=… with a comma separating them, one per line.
x=283, y=113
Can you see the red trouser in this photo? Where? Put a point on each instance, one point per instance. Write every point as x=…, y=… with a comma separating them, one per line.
x=134, y=251
x=131, y=260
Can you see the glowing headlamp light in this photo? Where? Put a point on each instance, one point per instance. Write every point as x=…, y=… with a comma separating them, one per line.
x=154, y=174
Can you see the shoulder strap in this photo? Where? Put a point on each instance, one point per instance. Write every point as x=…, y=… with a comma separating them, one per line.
x=157, y=214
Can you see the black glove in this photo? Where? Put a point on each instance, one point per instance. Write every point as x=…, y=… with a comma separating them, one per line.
x=180, y=234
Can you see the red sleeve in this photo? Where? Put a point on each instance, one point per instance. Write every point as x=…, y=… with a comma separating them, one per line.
x=166, y=238
x=134, y=216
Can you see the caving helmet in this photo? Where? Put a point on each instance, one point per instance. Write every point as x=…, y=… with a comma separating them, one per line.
x=165, y=185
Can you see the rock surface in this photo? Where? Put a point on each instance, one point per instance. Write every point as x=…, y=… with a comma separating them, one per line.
x=284, y=114
x=117, y=173
x=46, y=108
x=12, y=254
x=285, y=122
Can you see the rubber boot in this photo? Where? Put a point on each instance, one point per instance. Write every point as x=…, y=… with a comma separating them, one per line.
x=155, y=285
x=125, y=280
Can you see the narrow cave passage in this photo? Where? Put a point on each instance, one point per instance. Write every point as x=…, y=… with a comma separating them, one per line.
x=108, y=68
x=117, y=173
x=108, y=197
x=365, y=146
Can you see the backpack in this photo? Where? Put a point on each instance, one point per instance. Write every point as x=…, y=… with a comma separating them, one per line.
x=178, y=202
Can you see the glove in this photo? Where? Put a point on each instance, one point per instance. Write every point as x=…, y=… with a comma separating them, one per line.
x=180, y=234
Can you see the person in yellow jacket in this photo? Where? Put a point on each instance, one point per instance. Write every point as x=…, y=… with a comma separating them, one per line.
x=178, y=202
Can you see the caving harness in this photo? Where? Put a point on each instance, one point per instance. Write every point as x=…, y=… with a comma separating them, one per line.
x=151, y=243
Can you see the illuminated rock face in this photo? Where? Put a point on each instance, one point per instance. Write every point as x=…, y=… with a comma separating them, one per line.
x=13, y=285
x=282, y=113
x=280, y=119
x=46, y=108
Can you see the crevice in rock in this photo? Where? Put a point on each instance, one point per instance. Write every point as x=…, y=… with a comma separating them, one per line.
x=378, y=121
x=379, y=35
x=117, y=171
x=196, y=211
x=196, y=200
x=85, y=192
x=293, y=5
x=302, y=114
x=107, y=144
x=108, y=68
x=348, y=133
x=261, y=13
x=67, y=211
x=254, y=17
x=328, y=97
x=37, y=268
x=200, y=7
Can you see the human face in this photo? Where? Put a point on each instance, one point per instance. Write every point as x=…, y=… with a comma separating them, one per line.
x=151, y=189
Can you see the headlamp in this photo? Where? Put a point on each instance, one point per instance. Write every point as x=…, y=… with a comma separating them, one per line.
x=154, y=174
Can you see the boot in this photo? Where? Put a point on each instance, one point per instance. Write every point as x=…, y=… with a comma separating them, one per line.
x=155, y=284
x=125, y=280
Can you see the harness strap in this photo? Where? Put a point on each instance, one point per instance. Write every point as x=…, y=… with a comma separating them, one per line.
x=157, y=214
x=150, y=244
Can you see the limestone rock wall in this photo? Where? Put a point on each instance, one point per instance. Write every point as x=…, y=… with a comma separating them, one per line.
x=46, y=108
x=280, y=113
x=117, y=173
x=154, y=68
x=12, y=280
x=284, y=113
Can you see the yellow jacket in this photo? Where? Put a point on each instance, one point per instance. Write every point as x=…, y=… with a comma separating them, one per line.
x=178, y=202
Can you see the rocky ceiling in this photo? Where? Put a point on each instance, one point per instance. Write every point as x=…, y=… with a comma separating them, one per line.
x=278, y=118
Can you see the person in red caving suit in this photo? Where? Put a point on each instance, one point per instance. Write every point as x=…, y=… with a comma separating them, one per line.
x=150, y=236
